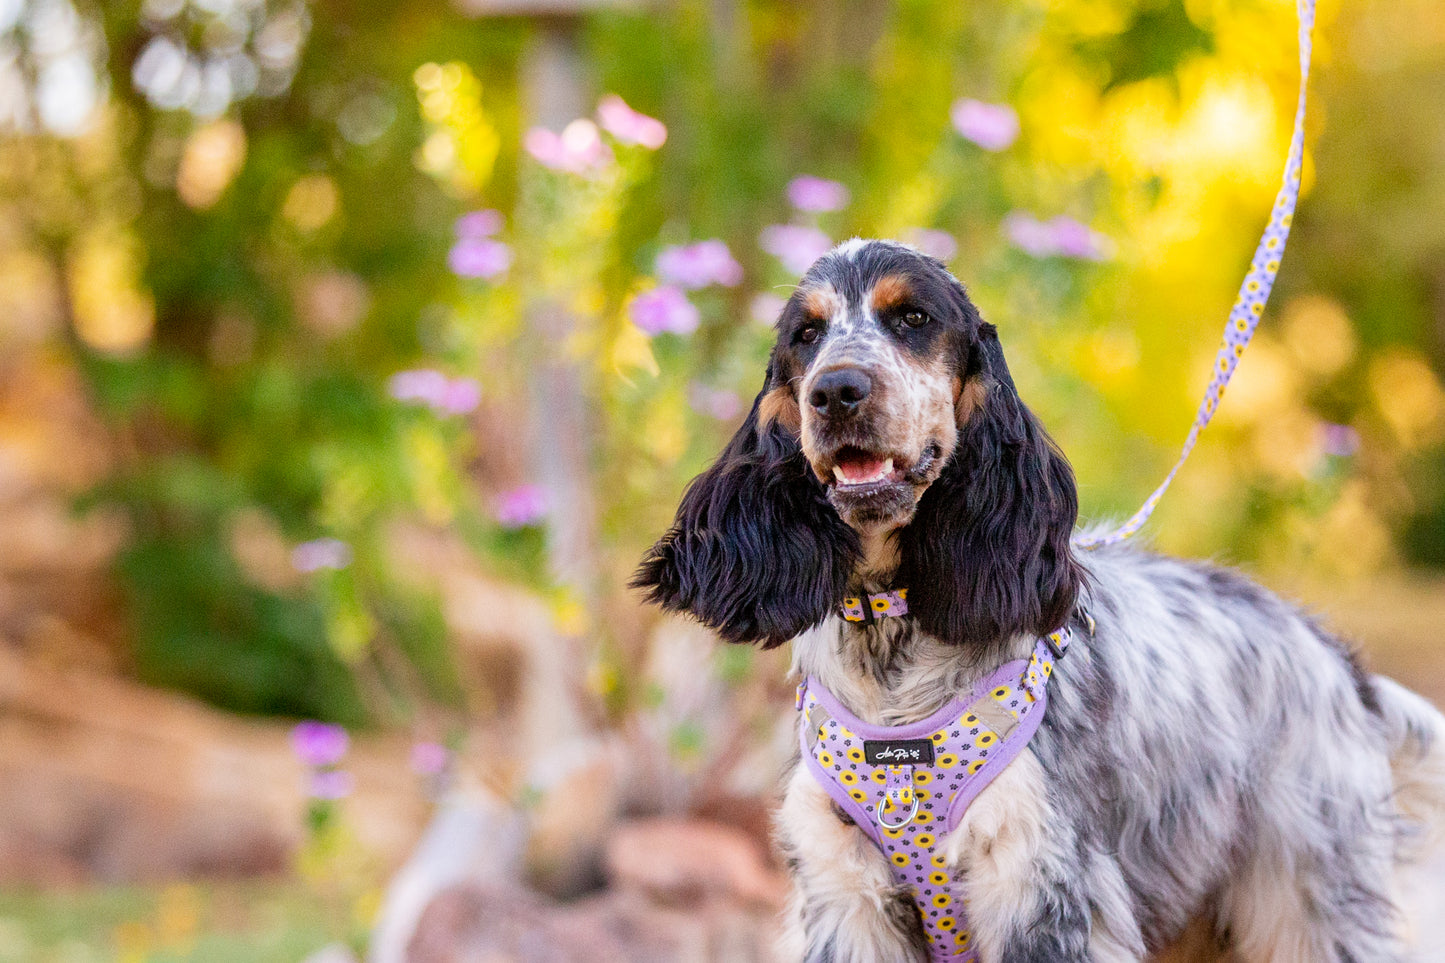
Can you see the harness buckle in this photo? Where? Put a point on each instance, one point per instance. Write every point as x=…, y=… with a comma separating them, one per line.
x=898, y=792
x=1058, y=642
x=895, y=796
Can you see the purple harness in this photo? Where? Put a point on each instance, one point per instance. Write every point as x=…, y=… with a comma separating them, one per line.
x=908, y=786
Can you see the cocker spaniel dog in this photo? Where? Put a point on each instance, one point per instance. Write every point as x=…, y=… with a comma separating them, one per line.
x=1202, y=751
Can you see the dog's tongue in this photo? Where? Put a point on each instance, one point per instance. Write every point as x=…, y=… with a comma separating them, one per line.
x=857, y=469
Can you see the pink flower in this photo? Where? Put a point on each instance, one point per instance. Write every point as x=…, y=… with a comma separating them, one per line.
x=521, y=506
x=716, y=403
x=809, y=193
x=795, y=245
x=331, y=784
x=765, y=308
x=319, y=744
x=429, y=758
x=664, y=308
x=424, y=385
x=1073, y=239
x=462, y=396
x=443, y=395
x=577, y=150
x=479, y=257
x=628, y=126
x=698, y=265
x=483, y=223
x=939, y=244
x=990, y=126
x=1060, y=237
x=320, y=553
x=1342, y=441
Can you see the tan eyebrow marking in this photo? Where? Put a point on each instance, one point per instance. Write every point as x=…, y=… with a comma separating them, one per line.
x=779, y=405
x=822, y=302
x=889, y=292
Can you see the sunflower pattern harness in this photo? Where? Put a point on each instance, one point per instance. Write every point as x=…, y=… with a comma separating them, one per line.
x=908, y=786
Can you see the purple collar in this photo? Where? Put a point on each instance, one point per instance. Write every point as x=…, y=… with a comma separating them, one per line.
x=870, y=608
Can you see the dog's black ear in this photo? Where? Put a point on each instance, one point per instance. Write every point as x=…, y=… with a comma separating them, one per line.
x=987, y=555
x=756, y=552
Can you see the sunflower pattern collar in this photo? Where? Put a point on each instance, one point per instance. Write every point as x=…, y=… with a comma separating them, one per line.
x=869, y=608
x=907, y=786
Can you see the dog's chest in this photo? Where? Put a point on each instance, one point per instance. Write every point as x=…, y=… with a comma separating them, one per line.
x=907, y=785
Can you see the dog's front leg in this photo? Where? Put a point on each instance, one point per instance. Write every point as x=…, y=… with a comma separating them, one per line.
x=1032, y=898
x=845, y=906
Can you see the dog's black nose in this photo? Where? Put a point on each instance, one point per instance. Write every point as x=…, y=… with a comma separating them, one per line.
x=840, y=392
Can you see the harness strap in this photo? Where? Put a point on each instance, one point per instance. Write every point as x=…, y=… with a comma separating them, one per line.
x=908, y=786
x=1253, y=292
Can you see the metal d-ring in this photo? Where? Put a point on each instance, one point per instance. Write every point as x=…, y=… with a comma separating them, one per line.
x=912, y=813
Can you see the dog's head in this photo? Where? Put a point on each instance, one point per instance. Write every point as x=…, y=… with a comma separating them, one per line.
x=887, y=412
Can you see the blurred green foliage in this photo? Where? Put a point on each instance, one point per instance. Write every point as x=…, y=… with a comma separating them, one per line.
x=211, y=923
x=238, y=288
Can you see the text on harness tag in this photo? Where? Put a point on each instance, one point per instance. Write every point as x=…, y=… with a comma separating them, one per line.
x=898, y=752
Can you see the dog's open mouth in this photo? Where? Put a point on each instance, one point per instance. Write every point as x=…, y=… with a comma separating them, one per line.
x=870, y=487
x=856, y=470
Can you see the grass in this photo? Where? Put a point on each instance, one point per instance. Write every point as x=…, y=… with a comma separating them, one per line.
x=248, y=922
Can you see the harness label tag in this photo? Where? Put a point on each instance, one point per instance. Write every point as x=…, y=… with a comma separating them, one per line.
x=898, y=752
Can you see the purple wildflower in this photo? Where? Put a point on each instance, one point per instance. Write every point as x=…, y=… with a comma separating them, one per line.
x=1342, y=441
x=629, y=126
x=990, y=126
x=795, y=245
x=443, y=395
x=664, y=308
x=479, y=257
x=1072, y=239
x=818, y=194
x=1060, y=237
x=765, y=308
x=483, y=223
x=716, y=403
x=424, y=385
x=698, y=265
x=578, y=149
x=319, y=743
x=1029, y=234
x=521, y=506
x=939, y=244
x=320, y=553
x=462, y=396
x=331, y=784
x=429, y=758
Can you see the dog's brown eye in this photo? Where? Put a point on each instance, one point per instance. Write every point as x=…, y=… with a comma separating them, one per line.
x=808, y=333
x=915, y=319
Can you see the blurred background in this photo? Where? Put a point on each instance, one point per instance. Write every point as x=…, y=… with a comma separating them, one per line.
x=351, y=354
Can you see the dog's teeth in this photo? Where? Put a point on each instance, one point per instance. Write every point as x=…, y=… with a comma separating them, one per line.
x=839, y=473
x=887, y=469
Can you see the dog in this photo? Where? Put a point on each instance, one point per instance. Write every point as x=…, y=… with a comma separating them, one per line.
x=1210, y=759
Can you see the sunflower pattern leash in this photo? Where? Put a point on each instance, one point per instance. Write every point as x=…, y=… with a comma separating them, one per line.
x=1253, y=293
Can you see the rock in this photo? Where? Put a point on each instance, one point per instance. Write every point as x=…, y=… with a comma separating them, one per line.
x=472, y=837
x=105, y=779
x=497, y=923
x=682, y=861
x=710, y=932
x=481, y=923
x=577, y=785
